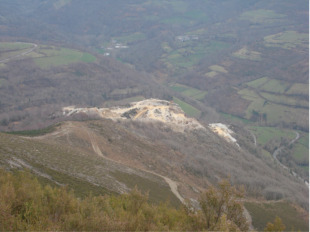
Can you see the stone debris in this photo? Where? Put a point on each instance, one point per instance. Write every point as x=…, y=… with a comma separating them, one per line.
x=223, y=131
x=166, y=112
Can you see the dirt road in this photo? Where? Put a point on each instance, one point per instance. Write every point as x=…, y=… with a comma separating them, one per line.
x=172, y=184
x=21, y=54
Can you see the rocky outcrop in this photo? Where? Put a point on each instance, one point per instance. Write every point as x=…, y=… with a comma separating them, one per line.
x=148, y=110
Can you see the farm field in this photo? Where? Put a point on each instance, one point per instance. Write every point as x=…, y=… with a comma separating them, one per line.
x=188, y=109
x=270, y=85
x=192, y=52
x=53, y=56
x=245, y=53
x=262, y=213
x=262, y=16
x=265, y=134
x=287, y=40
x=188, y=91
x=274, y=112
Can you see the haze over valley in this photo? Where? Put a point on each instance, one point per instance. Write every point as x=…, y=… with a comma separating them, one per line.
x=167, y=97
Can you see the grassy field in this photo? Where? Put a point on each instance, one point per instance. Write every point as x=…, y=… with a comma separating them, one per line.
x=270, y=85
x=188, y=109
x=245, y=53
x=7, y=46
x=275, y=112
x=234, y=118
x=192, y=52
x=218, y=68
x=283, y=99
x=262, y=213
x=261, y=16
x=188, y=91
x=265, y=134
x=131, y=37
x=299, y=89
x=287, y=40
x=39, y=132
x=61, y=56
x=157, y=191
x=301, y=148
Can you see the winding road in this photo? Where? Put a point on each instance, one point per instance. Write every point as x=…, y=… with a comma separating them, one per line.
x=278, y=151
x=172, y=184
x=20, y=54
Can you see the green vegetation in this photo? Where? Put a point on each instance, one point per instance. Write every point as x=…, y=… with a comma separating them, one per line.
x=157, y=193
x=265, y=134
x=299, y=89
x=130, y=38
x=287, y=40
x=61, y=56
x=27, y=205
x=301, y=149
x=275, y=113
x=192, y=52
x=7, y=46
x=188, y=91
x=245, y=53
x=270, y=85
x=188, y=109
x=263, y=213
x=234, y=118
x=258, y=82
x=32, y=133
x=285, y=100
x=218, y=68
x=261, y=16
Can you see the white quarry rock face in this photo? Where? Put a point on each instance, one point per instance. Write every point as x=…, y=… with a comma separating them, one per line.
x=147, y=110
x=223, y=131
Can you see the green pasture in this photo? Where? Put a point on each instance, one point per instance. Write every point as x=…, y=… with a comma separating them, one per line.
x=7, y=46
x=218, y=68
x=301, y=148
x=61, y=56
x=258, y=82
x=275, y=112
x=190, y=55
x=188, y=91
x=246, y=54
x=211, y=74
x=270, y=85
x=299, y=89
x=234, y=118
x=188, y=109
x=284, y=99
x=288, y=40
x=131, y=37
x=265, y=134
x=262, y=213
x=261, y=16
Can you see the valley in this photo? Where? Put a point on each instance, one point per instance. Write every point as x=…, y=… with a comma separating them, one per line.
x=170, y=97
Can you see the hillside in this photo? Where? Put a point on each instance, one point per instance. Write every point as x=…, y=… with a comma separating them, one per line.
x=103, y=156
x=169, y=96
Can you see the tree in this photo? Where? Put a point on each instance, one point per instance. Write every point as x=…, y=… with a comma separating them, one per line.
x=222, y=206
x=276, y=226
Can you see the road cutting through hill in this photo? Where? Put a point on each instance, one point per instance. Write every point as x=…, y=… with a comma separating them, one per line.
x=172, y=184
